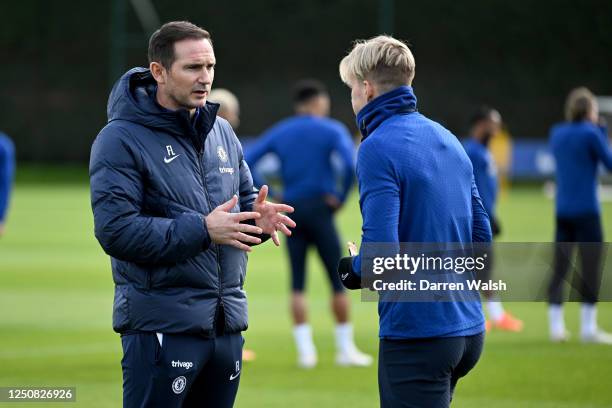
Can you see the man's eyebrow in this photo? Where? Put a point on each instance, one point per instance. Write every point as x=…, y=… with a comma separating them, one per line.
x=200, y=64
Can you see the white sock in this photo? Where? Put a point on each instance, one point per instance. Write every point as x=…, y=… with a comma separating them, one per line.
x=556, y=321
x=588, y=319
x=344, y=337
x=302, y=333
x=495, y=309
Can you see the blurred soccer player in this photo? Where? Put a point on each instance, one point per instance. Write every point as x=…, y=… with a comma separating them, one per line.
x=579, y=145
x=229, y=109
x=7, y=172
x=416, y=185
x=483, y=125
x=304, y=144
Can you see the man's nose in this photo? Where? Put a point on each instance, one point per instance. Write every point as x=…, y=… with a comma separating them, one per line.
x=205, y=77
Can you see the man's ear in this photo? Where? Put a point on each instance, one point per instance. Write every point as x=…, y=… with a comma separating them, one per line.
x=158, y=71
x=370, y=91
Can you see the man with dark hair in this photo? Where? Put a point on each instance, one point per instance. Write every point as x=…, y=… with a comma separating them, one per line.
x=161, y=43
x=175, y=208
x=307, y=89
x=484, y=124
x=579, y=146
x=306, y=144
x=7, y=172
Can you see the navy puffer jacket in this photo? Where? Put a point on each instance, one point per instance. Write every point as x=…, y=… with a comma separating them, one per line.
x=154, y=175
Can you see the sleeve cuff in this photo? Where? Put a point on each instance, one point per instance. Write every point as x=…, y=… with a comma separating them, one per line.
x=349, y=278
x=263, y=237
x=206, y=241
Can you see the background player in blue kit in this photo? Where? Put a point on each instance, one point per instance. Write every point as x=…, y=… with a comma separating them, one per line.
x=484, y=124
x=305, y=144
x=579, y=145
x=7, y=173
x=415, y=185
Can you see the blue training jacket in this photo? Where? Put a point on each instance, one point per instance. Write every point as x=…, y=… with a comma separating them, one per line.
x=485, y=174
x=154, y=175
x=578, y=148
x=304, y=144
x=416, y=185
x=7, y=172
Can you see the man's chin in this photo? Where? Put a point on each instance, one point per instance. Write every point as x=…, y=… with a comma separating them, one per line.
x=195, y=103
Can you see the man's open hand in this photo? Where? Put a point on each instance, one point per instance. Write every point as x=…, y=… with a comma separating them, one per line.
x=224, y=227
x=271, y=219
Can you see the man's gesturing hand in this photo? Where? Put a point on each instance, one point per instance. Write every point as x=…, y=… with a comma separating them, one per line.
x=225, y=227
x=271, y=218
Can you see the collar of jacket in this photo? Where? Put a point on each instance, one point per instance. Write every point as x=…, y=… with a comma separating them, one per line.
x=399, y=100
x=200, y=124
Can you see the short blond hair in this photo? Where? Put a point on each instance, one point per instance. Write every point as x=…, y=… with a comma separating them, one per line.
x=579, y=104
x=225, y=98
x=384, y=60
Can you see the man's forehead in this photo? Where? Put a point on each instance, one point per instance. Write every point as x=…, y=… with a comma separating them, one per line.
x=194, y=49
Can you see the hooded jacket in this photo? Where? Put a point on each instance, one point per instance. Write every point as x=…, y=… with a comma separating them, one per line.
x=155, y=174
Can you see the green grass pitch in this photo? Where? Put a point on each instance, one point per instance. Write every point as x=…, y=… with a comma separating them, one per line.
x=55, y=319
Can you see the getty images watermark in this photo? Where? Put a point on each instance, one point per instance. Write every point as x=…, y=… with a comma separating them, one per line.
x=453, y=272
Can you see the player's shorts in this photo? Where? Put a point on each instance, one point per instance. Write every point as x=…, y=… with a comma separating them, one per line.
x=180, y=370
x=424, y=372
x=580, y=235
x=315, y=227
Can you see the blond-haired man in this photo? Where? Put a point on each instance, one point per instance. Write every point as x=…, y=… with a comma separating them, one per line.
x=416, y=185
x=578, y=145
x=229, y=108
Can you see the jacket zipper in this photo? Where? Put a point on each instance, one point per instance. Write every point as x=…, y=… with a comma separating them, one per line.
x=217, y=252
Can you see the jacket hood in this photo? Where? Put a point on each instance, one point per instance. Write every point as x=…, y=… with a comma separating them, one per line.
x=133, y=98
x=399, y=100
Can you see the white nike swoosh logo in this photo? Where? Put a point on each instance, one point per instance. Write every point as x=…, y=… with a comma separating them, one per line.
x=232, y=377
x=169, y=159
x=344, y=276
